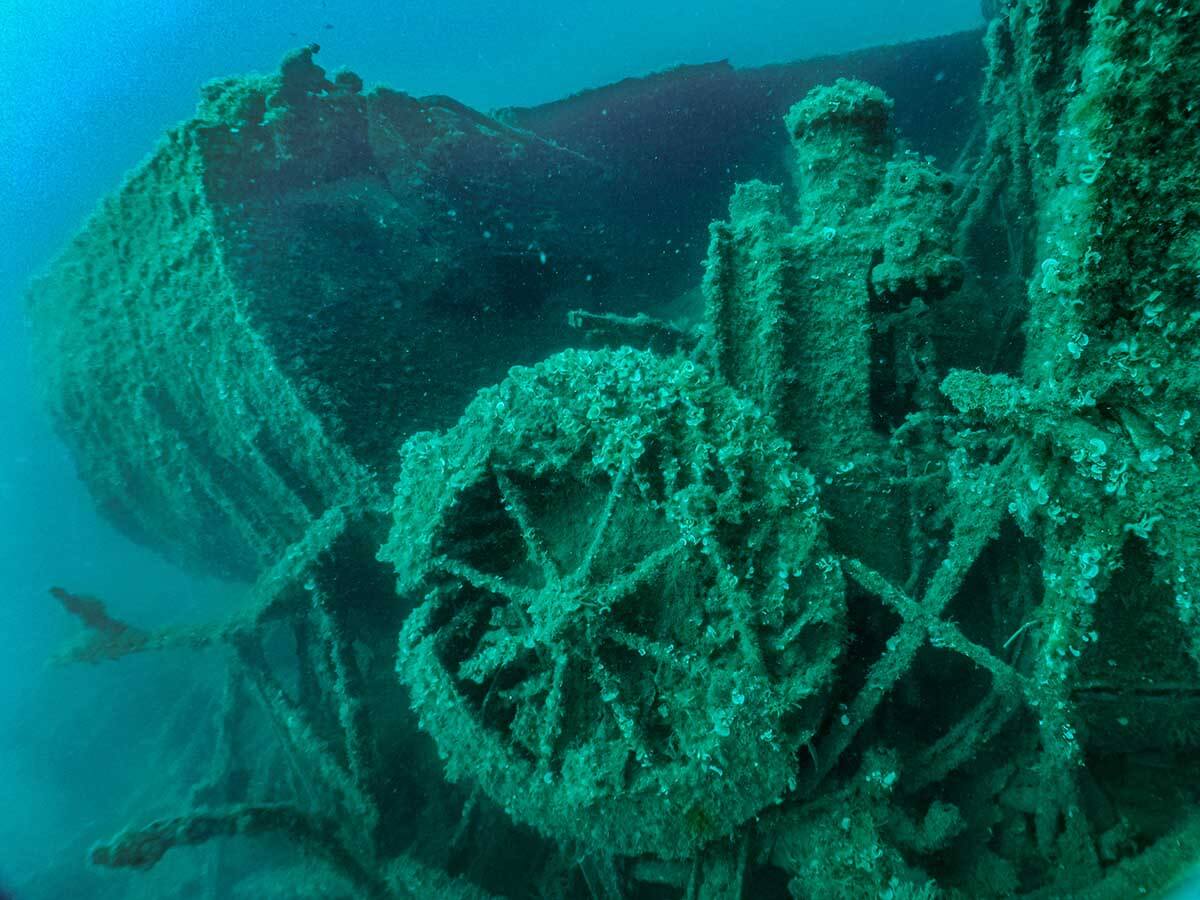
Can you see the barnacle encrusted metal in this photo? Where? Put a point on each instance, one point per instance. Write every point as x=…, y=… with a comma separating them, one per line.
x=625, y=635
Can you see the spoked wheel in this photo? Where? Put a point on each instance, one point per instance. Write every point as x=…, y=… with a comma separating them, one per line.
x=627, y=631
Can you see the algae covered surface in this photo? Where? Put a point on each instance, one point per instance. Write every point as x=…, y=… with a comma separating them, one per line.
x=860, y=559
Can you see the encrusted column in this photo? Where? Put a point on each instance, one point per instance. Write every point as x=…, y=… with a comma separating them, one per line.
x=815, y=300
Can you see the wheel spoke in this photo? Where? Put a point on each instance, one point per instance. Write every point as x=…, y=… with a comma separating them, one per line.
x=553, y=709
x=589, y=557
x=624, y=585
x=493, y=584
x=644, y=646
x=610, y=696
x=514, y=502
x=498, y=649
x=526, y=691
x=461, y=621
x=739, y=604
